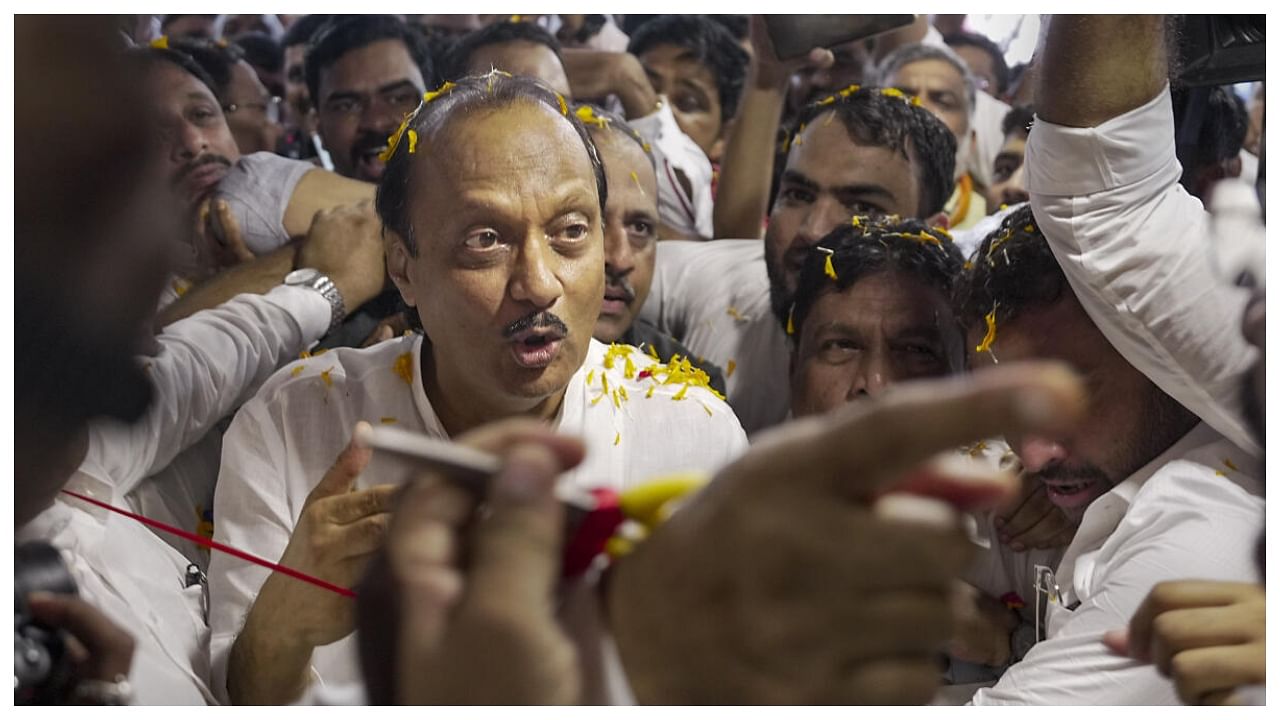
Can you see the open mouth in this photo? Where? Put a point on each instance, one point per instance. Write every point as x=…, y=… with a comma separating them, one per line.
x=370, y=166
x=1070, y=494
x=536, y=348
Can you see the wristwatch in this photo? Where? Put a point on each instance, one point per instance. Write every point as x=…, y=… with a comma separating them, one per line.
x=318, y=281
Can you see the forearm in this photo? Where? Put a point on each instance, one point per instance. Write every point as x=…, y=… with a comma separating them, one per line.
x=256, y=276
x=268, y=665
x=320, y=190
x=1095, y=67
x=743, y=195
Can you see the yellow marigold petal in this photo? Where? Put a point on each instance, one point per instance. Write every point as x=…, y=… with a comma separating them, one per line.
x=1230, y=465
x=622, y=391
x=629, y=370
x=388, y=421
x=704, y=407
x=413, y=141
x=728, y=371
x=433, y=94
x=617, y=438
x=985, y=345
x=404, y=367
x=304, y=354
x=649, y=394
x=653, y=352
x=324, y=377
x=296, y=371
x=564, y=106
x=591, y=376
x=829, y=268
x=161, y=43
x=681, y=393
x=791, y=323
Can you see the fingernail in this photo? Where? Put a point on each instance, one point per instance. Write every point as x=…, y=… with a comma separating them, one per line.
x=522, y=479
x=1036, y=406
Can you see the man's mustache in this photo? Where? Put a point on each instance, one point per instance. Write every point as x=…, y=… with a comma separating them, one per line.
x=365, y=142
x=1082, y=471
x=622, y=284
x=199, y=162
x=537, y=320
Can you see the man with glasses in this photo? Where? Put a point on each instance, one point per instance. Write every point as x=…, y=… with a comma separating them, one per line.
x=364, y=74
x=252, y=114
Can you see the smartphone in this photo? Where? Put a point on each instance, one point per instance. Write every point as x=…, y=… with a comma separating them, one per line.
x=793, y=36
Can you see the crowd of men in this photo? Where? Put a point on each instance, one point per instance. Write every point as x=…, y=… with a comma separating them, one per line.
x=883, y=374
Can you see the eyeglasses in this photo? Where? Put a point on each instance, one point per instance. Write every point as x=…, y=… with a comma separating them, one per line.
x=270, y=109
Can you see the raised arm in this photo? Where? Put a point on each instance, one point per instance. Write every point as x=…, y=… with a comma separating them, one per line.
x=1095, y=67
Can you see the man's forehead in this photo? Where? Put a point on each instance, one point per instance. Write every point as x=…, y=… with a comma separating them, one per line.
x=169, y=83
x=896, y=300
x=826, y=154
x=929, y=74
x=370, y=67
x=675, y=62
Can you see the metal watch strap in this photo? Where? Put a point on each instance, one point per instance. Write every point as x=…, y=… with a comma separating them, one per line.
x=322, y=284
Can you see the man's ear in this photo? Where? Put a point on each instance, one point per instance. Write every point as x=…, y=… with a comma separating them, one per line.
x=939, y=220
x=398, y=261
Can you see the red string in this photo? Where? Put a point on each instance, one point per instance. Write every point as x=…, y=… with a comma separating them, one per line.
x=217, y=546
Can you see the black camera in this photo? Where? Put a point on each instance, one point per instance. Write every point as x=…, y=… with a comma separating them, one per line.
x=42, y=673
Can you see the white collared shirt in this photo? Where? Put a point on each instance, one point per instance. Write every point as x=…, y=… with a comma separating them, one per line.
x=207, y=364
x=714, y=297
x=285, y=439
x=1196, y=511
x=1135, y=247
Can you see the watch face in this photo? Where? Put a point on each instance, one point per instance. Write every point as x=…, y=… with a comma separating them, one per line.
x=301, y=276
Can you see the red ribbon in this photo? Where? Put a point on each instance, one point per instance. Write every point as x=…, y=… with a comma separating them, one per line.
x=206, y=542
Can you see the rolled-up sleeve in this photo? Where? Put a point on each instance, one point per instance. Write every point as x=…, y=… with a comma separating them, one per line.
x=1135, y=247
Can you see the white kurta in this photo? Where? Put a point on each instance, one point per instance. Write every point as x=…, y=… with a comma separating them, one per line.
x=1135, y=247
x=207, y=364
x=282, y=442
x=714, y=298
x=166, y=464
x=1186, y=514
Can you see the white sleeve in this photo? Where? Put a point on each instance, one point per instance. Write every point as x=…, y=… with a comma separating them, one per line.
x=1199, y=528
x=208, y=365
x=668, y=298
x=258, y=189
x=1135, y=246
x=689, y=213
x=252, y=513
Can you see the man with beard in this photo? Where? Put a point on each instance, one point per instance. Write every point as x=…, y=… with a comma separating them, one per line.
x=862, y=151
x=364, y=74
x=631, y=240
x=493, y=199
x=1159, y=492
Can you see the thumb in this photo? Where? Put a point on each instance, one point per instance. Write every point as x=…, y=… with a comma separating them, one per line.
x=342, y=476
x=516, y=549
x=1117, y=641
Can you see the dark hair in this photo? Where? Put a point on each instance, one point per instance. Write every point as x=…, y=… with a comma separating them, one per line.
x=499, y=33
x=596, y=118
x=493, y=91
x=887, y=118
x=215, y=57
x=1014, y=269
x=167, y=20
x=147, y=58
x=303, y=29
x=918, y=52
x=1018, y=118
x=739, y=26
x=709, y=42
x=870, y=245
x=344, y=33
x=964, y=38
x=261, y=51
x=1210, y=123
